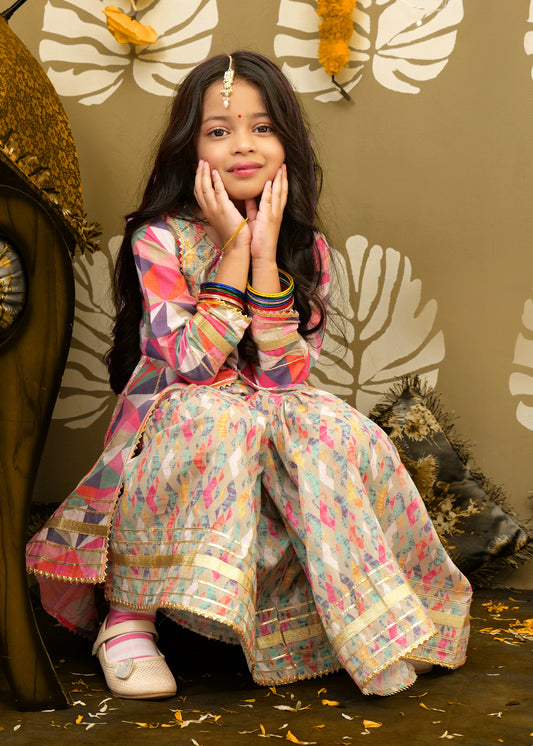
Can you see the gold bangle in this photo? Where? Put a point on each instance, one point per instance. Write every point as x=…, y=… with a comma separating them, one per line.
x=285, y=291
x=230, y=239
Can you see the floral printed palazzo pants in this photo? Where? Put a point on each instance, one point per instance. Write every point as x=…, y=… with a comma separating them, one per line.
x=285, y=521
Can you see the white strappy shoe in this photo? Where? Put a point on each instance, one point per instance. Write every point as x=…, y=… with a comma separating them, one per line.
x=134, y=678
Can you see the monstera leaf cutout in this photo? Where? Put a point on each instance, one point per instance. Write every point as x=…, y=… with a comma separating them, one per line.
x=384, y=332
x=401, y=44
x=85, y=395
x=387, y=328
x=84, y=60
x=521, y=379
x=528, y=38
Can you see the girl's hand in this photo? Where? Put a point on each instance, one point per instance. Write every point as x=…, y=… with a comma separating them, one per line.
x=216, y=205
x=265, y=220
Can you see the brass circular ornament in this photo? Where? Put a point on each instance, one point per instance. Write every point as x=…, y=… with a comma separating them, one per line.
x=13, y=287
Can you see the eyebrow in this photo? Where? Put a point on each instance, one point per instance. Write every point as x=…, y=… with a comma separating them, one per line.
x=226, y=118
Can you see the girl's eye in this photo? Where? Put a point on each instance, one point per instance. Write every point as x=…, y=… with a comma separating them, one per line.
x=263, y=128
x=218, y=132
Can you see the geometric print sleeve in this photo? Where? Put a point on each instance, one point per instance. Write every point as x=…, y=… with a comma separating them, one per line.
x=285, y=357
x=193, y=338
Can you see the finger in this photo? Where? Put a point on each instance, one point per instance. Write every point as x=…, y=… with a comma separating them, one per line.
x=200, y=176
x=218, y=184
x=279, y=192
x=207, y=181
x=199, y=189
x=250, y=205
x=207, y=188
x=266, y=196
x=276, y=185
x=284, y=186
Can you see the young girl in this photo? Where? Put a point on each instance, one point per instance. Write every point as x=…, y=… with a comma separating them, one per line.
x=231, y=495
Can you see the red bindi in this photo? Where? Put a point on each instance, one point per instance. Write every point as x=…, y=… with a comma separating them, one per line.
x=239, y=115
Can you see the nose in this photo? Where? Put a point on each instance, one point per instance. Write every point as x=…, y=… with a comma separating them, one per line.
x=243, y=141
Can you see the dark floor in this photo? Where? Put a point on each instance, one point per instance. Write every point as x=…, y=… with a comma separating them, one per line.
x=488, y=701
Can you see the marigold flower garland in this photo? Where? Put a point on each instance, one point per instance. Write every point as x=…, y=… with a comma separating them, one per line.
x=335, y=32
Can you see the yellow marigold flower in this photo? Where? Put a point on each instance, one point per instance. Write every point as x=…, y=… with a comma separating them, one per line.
x=336, y=28
x=335, y=31
x=333, y=55
x=127, y=30
x=344, y=7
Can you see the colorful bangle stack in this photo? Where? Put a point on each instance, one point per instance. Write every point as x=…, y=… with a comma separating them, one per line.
x=272, y=301
x=219, y=294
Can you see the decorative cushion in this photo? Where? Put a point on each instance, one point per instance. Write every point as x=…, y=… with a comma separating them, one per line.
x=470, y=514
x=12, y=287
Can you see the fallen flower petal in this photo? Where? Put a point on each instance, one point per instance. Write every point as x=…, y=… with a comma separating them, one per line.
x=292, y=738
x=330, y=702
x=297, y=707
x=450, y=736
x=524, y=628
x=425, y=707
x=371, y=724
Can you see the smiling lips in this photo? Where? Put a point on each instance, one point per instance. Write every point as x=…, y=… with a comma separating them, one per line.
x=245, y=168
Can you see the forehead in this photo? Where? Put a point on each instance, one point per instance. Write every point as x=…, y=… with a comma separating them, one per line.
x=245, y=98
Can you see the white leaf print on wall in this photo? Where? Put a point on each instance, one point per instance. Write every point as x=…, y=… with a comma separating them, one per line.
x=521, y=379
x=528, y=38
x=83, y=59
x=400, y=43
x=85, y=394
x=389, y=330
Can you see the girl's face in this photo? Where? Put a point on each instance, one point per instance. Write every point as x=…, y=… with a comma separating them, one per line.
x=239, y=142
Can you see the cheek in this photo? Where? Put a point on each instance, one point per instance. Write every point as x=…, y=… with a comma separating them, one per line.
x=207, y=150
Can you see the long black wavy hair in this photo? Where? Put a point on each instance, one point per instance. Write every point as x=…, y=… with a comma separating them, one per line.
x=170, y=190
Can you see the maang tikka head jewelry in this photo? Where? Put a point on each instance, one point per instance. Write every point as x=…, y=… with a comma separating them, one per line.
x=228, y=82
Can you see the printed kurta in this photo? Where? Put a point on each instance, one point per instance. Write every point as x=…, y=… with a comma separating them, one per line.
x=248, y=505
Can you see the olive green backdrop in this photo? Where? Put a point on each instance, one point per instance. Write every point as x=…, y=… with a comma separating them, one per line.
x=427, y=197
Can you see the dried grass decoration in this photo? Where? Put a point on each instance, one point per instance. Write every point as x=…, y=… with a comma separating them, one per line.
x=335, y=32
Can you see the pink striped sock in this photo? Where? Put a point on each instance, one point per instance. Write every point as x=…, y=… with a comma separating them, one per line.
x=131, y=644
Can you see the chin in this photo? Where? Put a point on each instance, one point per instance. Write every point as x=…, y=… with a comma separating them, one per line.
x=242, y=192
x=241, y=196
